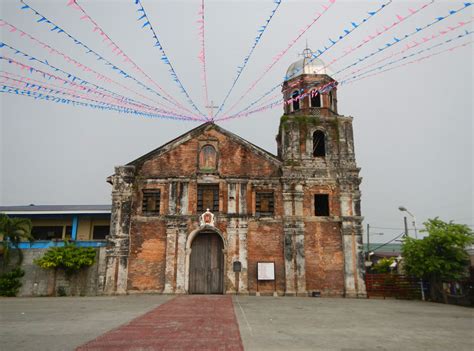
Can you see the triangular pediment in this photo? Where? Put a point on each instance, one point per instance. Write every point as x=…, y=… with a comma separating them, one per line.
x=196, y=133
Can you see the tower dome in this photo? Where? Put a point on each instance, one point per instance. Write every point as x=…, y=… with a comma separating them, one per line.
x=306, y=65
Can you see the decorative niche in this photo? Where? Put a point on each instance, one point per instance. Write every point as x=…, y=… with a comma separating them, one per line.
x=208, y=156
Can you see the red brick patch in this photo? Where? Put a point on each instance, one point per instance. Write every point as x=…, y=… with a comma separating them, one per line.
x=184, y=323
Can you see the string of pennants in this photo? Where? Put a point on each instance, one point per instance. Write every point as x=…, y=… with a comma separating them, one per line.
x=52, y=98
x=119, y=52
x=77, y=91
x=164, y=58
x=73, y=80
x=202, y=53
x=346, y=33
x=400, y=19
x=397, y=40
x=241, y=68
x=329, y=86
x=78, y=81
x=320, y=52
x=57, y=29
x=325, y=8
x=70, y=60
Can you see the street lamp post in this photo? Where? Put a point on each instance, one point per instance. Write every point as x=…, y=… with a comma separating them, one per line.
x=404, y=209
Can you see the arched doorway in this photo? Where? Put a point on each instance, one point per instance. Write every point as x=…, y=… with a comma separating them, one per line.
x=206, y=265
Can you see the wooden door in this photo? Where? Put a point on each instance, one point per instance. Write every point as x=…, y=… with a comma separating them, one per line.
x=206, y=266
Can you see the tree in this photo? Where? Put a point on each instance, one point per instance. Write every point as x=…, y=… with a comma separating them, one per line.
x=440, y=256
x=13, y=231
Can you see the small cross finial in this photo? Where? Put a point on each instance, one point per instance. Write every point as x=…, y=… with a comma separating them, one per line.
x=211, y=107
x=307, y=53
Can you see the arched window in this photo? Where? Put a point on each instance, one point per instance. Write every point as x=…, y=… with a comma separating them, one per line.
x=319, y=144
x=296, y=102
x=208, y=158
x=315, y=99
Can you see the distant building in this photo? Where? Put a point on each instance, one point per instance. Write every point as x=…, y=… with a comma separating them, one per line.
x=89, y=224
x=210, y=212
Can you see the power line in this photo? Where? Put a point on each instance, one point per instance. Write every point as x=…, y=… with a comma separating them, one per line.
x=388, y=242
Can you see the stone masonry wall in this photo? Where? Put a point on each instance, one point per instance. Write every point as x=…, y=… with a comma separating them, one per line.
x=41, y=282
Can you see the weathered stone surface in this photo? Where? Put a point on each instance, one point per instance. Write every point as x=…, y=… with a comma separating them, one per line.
x=311, y=253
x=45, y=282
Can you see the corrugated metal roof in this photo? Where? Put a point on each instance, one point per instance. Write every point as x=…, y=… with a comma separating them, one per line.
x=385, y=249
x=55, y=209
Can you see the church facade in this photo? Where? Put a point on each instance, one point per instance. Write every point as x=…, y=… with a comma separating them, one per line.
x=210, y=212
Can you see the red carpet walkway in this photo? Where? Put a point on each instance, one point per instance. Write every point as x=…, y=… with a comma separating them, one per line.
x=203, y=322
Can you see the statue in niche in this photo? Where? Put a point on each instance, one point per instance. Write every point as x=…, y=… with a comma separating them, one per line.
x=208, y=158
x=207, y=218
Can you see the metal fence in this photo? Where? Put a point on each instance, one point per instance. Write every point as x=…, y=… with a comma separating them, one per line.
x=393, y=286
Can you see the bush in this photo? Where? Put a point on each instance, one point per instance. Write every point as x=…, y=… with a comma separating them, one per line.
x=61, y=291
x=10, y=282
x=70, y=258
x=383, y=265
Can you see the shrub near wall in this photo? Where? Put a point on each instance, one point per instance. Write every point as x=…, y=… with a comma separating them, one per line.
x=10, y=282
x=69, y=258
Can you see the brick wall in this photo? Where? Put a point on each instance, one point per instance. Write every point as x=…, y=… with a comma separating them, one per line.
x=308, y=200
x=265, y=243
x=233, y=159
x=147, y=255
x=324, y=258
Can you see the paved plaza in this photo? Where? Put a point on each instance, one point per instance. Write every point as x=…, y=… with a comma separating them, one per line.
x=160, y=322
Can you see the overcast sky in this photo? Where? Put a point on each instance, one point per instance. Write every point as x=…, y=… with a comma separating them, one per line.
x=412, y=125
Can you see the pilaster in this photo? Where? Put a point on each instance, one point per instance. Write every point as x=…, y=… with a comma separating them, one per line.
x=171, y=242
x=181, y=259
x=232, y=255
x=351, y=228
x=243, y=256
x=118, y=242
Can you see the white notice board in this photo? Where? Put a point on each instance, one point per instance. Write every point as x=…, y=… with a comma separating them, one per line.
x=266, y=270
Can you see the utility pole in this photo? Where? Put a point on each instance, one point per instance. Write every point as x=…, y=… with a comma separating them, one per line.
x=406, y=225
x=368, y=240
x=404, y=209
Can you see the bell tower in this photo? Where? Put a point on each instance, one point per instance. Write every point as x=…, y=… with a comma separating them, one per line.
x=321, y=179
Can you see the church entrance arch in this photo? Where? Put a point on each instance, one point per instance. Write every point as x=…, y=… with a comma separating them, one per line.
x=206, y=263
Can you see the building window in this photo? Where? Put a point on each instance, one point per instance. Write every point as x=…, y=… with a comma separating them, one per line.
x=296, y=100
x=321, y=205
x=151, y=202
x=208, y=197
x=208, y=158
x=319, y=144
x=264, y=204
x=68, y=233
x=315, y=99
x=47, y=232
x=100, y=231
x=331, y=101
